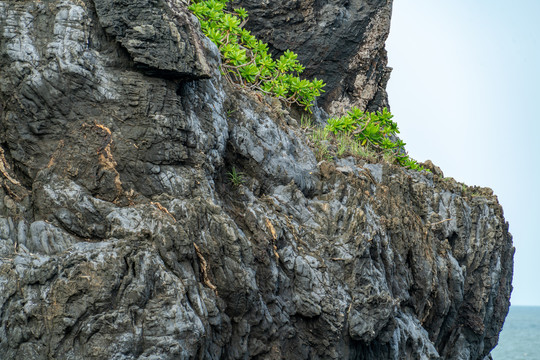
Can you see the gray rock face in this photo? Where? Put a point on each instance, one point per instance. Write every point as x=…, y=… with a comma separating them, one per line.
x=122, y=236
x=162, y=40
x=340, y=41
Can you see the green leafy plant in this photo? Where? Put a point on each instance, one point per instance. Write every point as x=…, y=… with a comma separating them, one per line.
x=375, y=131
x=344, y=124
x=236, y=177
x=369, y=135
x=246, y=60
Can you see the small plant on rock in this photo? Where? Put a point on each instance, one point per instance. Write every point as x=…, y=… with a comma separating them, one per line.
x=246, y=60
x=236, y=177
x=374, y=131
x=368, y=135
x=306, y=121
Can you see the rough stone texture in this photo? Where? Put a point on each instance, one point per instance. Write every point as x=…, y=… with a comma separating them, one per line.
x=122, y=237
x=162, y=40
x=340, y=41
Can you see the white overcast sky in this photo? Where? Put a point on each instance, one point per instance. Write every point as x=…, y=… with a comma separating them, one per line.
x=465, y=94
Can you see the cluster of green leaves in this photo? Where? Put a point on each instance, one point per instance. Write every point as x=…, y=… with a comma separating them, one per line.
x=246, y=59
x=375, y=131
x=236, y=177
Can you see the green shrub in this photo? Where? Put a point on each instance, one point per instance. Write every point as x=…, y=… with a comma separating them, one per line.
x=246, y=61
x=368, y=135
x=375, y=131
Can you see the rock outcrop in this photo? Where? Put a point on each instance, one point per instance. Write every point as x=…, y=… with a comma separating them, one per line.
x=339, y=41
x=122, y=236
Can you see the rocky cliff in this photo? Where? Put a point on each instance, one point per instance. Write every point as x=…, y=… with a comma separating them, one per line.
x=122, y=236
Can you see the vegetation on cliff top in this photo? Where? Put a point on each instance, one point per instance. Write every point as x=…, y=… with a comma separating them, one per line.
x=246, y=61
x=368, y=134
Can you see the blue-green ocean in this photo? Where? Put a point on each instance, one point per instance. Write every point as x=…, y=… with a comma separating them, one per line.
x=520, y=337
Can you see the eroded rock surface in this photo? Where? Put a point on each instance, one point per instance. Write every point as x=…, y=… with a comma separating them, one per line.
x=122, y=236
x=339, y=41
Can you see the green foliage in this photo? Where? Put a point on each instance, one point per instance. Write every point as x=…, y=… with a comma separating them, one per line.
x=236, y=178
x=246, y=60
x=321, y=141
x=306, y=122
x=377, y=132
x=365, y=134
x=347, y=145
x=344, y=124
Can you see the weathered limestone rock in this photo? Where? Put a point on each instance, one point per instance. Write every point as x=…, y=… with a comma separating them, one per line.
x=122, y=237
x=162, y=39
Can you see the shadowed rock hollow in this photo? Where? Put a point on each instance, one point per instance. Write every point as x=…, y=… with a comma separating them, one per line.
x=122, y=237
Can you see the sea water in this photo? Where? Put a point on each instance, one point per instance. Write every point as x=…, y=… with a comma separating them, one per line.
x=520, y=337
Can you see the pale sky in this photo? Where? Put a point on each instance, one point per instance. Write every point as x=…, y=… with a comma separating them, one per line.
x=465, y=94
